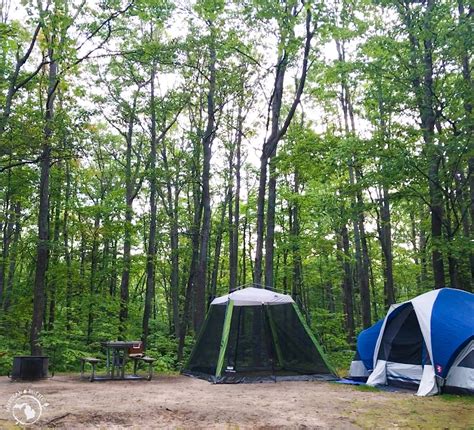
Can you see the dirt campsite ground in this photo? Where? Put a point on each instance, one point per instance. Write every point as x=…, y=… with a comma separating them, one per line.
x=186, y=403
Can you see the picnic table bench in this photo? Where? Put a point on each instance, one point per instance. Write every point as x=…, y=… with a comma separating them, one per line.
x=93, y=362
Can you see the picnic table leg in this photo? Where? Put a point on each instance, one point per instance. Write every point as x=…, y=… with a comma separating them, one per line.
x=93, y=372
x=150, y=371
x=113, y=365
x=124, y=362
x=82, y=369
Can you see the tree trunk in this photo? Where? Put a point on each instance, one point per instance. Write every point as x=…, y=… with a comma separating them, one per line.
x=385, y=230
x=151, y=250
x=257, y=272
x=269, y=151
x=424, y=93
x=373, y=289
x=471, y=206
x=93, y=274
x=464, y=20
x=386, y=242
x=452, y=260
x=270, y=225
x=55, y=259
x=113, y=274
x=201, y=269
x=423, y=259
x=171, y=203
x=42, y=252
x=13, y=257
x=218, y=246
x=188, y=298
x=67, y=251
x=364, y=282
x=234, y=233
x=127, y=241
x=347, y=286
x=13, y=85
x=295, y=238
x=7, y=230
x=244, y=250
x=358, y=219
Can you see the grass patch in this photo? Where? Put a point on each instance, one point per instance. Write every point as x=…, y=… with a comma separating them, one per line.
x=367, y=388
x=439, y=412
x=467, y=400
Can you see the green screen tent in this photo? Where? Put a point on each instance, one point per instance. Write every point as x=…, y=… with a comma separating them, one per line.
x=255, y=335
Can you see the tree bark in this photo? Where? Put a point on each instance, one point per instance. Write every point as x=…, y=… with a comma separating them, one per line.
x=295, y=238
x=235, y=222
x=13, y=257
x=424, y=93
x=6, y=229
x=464, y=20
x=201, y=269
x=270, y=224
x=171, y=202
x=347, y=286
x=67, y=250
x=93, y=273
x=358, y=219
x=269, y=151
x=386, y=242
x=385, y=230
x=218, y=246
x=188, y=298
x=151, y=250
x=55, y=259
x=42, y=251
x=13, y=85
x=127, y=241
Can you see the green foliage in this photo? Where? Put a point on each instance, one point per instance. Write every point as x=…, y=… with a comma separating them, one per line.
x=329, y=331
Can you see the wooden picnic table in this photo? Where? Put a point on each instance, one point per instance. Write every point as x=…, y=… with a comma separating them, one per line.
x=117, y=353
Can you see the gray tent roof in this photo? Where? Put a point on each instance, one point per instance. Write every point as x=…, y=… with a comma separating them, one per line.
x=252, y=296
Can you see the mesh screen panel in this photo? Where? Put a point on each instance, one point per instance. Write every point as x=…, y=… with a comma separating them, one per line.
x=206, y=351
x=250, y=345
x=298, y=350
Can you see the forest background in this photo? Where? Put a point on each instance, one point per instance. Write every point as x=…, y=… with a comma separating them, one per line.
x=157, y=153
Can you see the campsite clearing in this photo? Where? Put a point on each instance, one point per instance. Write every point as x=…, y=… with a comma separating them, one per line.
x=181, y=402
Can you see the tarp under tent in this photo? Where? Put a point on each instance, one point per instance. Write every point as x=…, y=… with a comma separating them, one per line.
x=427, y=343
x=254, y=335
x=363, y=362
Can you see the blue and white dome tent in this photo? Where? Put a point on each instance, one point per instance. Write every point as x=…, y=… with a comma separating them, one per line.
x=428, y=342
x=363, y=362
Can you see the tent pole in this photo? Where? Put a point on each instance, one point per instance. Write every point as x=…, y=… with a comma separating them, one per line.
x=225, y=338
x=313, y=339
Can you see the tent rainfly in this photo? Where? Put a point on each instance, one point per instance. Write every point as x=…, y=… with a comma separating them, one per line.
x=255, y=335
x=363, y=362
x=428, y=343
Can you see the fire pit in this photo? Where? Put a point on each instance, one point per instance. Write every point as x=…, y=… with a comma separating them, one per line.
x=28, y=367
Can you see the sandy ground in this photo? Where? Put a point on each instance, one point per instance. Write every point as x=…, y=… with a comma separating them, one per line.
x=186, y=403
